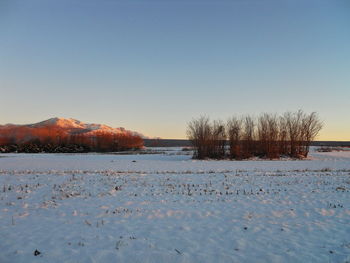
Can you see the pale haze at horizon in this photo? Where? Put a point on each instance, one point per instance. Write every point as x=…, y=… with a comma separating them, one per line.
x=151, y=66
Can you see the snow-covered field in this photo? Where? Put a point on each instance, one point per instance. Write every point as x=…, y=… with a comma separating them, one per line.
x=169, y=208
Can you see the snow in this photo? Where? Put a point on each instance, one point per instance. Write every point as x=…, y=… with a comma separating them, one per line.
x=60, y=122
x=167, y=207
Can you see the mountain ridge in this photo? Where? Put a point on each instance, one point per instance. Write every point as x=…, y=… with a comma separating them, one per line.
x=73, y=126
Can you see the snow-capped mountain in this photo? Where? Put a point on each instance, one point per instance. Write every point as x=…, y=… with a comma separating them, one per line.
x=69, y=126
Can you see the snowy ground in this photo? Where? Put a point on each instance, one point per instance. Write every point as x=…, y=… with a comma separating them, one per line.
x=169, y=208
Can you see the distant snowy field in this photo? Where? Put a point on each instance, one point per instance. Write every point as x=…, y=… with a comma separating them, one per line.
x=169, y=208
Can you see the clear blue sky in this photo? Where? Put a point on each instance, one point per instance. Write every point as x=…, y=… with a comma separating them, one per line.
x=151, y=66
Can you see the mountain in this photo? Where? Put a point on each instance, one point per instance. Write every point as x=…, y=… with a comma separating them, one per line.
x=69, y=127
x=60, y=132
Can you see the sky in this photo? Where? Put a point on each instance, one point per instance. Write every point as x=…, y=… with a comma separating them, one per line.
x=152, y=66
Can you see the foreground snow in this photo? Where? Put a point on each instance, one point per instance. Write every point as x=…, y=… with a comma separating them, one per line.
x=169, y=208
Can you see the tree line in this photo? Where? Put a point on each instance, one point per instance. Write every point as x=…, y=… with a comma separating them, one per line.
x=267, y=136
x=26, y=139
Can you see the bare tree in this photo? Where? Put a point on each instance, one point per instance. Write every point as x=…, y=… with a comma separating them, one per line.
x=273, y=133
x=294, y=124
x=267, y=132
x=283, y=136
x=234, y=134
x=311, y=126
x=199, y=132
x=262, y=134
x=218, y=139
x=248, y=137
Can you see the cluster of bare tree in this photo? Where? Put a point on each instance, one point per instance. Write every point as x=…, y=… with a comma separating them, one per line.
x=267, y=136
x=108, y=142
x=26, y=139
